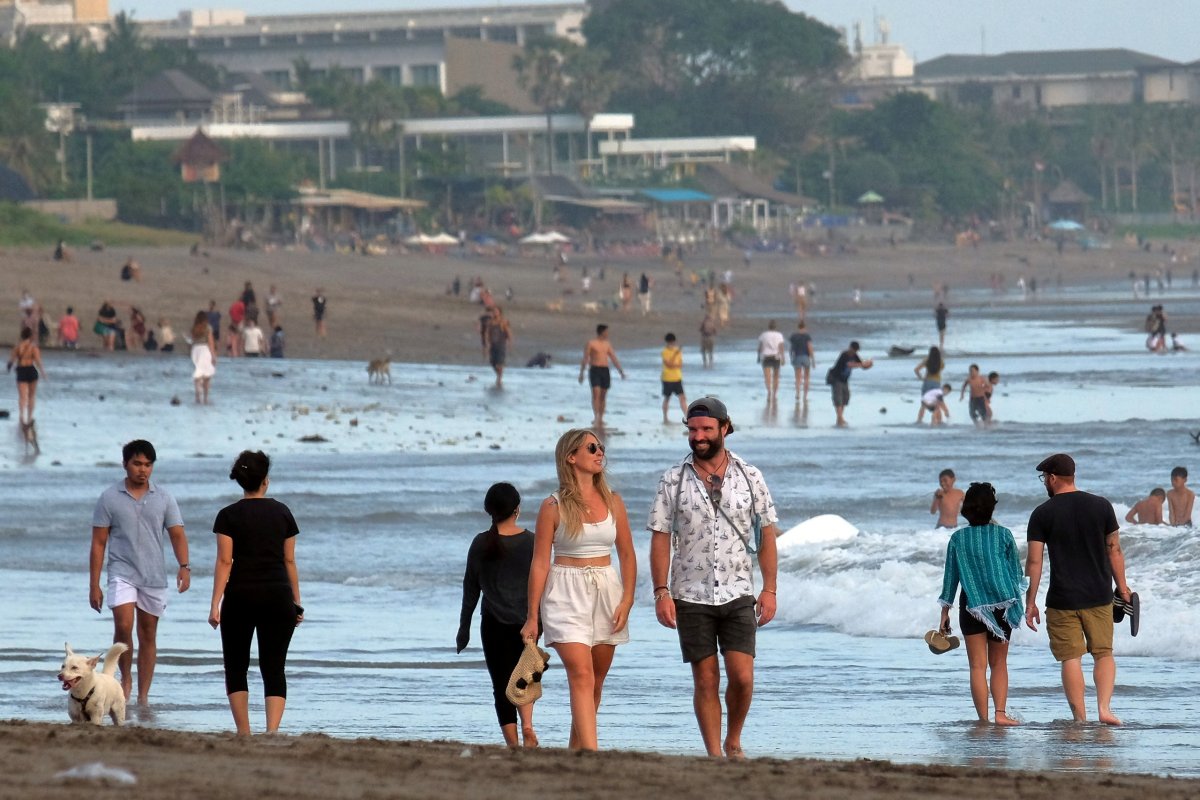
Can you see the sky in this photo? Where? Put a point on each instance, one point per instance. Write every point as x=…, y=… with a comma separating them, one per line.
x=926, y=28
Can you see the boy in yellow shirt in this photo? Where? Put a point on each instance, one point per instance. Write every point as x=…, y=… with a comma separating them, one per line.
x=672, y=376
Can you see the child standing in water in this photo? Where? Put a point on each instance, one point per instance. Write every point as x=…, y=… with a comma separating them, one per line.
x=947, y=500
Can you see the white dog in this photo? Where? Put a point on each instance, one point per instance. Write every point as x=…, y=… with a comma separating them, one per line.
x=93, y=694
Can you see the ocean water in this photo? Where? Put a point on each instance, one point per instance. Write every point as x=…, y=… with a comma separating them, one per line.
x=389, y=502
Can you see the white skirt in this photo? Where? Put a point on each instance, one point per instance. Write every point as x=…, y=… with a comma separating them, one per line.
x=579, y=603
x=203, y=361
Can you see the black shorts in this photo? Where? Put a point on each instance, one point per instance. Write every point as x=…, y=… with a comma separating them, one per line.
x=978, y=407
x=770, y=362
x=672, y=387
x=27, y=374
x=704, y=629
x=600, y=377
x=497, y=355
x=970, y=626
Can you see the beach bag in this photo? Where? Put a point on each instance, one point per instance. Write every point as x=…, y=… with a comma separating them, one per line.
x=100, y=329
x=829, y=377
x=525, y=684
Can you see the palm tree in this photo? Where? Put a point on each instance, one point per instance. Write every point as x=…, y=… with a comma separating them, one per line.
x=590, y=87
x=373, y=110
x=540, y=72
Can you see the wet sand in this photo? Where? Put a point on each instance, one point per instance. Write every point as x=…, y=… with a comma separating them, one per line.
x=399, y=303
x=191, y=765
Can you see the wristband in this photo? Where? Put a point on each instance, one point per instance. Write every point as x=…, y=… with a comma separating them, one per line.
x=772, y=591
x=185, y=566
x=656, y=588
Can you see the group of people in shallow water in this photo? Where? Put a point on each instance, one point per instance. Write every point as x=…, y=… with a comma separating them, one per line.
x=560, y=583
x=256, y=585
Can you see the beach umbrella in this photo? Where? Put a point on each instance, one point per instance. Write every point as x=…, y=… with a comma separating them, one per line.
x=419, y=238
x=870, y=197
x=442, y=238
x=554, y=237
x=1065, y=225
x=535, y=238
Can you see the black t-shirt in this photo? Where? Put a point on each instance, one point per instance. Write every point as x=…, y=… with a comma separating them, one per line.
x=800, y=343
x=258, y=528
x=841, y=368
x=1074, y=527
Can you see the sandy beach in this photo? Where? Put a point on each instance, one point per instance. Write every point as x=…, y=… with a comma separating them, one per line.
x=190, y=765
x=399, y=302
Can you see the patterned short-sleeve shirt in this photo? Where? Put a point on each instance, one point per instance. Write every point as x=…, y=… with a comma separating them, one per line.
x=710, y=563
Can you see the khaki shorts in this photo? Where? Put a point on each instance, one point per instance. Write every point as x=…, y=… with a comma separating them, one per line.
x=1086, y=630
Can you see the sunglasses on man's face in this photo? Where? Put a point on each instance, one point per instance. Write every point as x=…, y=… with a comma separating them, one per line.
x=594, y=447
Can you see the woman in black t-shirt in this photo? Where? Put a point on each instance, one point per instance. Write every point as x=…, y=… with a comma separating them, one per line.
x=255, y=588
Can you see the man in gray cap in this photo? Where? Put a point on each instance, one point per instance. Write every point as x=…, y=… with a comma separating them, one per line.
x=705, y=521
x=1080, y=532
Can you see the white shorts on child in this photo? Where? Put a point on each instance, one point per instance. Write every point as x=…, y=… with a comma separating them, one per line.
x=579, y=604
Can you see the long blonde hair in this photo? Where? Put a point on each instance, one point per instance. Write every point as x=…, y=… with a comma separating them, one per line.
x=571, y=508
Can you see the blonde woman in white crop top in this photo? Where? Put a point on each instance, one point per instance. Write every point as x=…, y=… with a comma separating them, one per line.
x=576, y=596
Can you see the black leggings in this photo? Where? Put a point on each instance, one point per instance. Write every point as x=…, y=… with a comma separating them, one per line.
x=502, y=648
x=270, y=611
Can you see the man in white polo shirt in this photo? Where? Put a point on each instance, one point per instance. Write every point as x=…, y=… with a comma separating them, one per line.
x=129, y=521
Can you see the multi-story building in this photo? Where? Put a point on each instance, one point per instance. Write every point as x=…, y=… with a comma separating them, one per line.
x=444, y=48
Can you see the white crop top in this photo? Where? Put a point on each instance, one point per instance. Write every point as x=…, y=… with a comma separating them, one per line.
x=594, y=541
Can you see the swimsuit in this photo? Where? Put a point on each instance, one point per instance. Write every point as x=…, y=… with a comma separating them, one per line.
x=599, y=377
x=27, y=374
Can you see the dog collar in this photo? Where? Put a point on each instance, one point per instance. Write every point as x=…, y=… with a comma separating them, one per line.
x=84, y=701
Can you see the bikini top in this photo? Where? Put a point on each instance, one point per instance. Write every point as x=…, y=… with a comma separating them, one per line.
x=594, y=541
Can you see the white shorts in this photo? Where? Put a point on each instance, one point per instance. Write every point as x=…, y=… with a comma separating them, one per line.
x=579, y=603
x=122, y=592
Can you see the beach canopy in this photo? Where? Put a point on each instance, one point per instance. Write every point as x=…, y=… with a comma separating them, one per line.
x=1065, y=225
x=443, y=238
x=870, y=197
x=419, y=238
x=552, y=237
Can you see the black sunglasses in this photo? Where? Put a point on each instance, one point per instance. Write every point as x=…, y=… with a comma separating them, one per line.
x=594, y=447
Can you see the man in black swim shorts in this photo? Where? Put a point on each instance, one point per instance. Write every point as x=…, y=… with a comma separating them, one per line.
x=597, y=354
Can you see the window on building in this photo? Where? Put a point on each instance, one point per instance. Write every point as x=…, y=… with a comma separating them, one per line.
x=392, y=76
x=1016, y=93
x=357, y=75
x=502, y=33
x=426, y=75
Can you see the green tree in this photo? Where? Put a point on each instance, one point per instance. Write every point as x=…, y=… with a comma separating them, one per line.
x=25, y=144
x=697, y=67
x=541, y=71
x=589, y=87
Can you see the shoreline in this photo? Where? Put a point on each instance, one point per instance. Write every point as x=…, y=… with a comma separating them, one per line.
x=195, y=765
x=399, y=304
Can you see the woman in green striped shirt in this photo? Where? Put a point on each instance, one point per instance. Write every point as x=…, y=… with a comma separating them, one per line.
x=983, y=559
